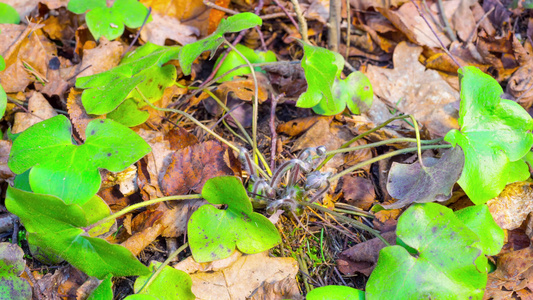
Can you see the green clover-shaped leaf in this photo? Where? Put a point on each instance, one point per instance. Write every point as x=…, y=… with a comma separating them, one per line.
x=234, y=59
x=57, y=228
x=495, y=134
x=141, y=69
x=11, y=266
x=321, y=68
x=68, y=171
x=110, y=21
x=214, y=233
x=335, y=292
x=448, y=262
x=478, y=219
x=234, y=23
x=169, y=284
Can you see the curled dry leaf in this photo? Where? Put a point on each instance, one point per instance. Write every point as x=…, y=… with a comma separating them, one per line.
x=39, y=110
x=514, y=273
x=165, y=27
x=191, y=167
x=241, y=278
x=512, y=206
x=363, y=257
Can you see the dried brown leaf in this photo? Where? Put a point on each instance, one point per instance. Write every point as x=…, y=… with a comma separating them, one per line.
x=358, y=191
x=512, y=206
x=39, y=110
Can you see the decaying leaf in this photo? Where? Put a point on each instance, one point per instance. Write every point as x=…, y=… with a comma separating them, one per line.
x=514, y=273
x=512, y=206
x=39, y=110
x=191, y=167
x=243, y=277
x=165, y=27
x=358, y=191
x=433, y=182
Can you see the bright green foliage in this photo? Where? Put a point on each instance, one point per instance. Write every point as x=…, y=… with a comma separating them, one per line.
x=335, y=292
x=128, y=114
x=214, y=233
x=110, y=21
x=479, y=220
x=449, y=263
x=234, y=60
x=57, y=227
x=11, y=266
x=141, y=68
x=326, y=93
x=169, y=284
x=3, y=96
x=234, y=23
x=104, y=291
x=495, y=134
x=8, y=15
x=68, y=171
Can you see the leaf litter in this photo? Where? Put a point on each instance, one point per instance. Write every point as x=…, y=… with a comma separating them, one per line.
x=47, y=56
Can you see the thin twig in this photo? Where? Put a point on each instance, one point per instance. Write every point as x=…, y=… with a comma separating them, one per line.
x=257, y=10
x=471, y=36
x=348, y=29
x=273, y=133
x=436, y=36
x=301, y=21
x=217, y=7
x=447, y=26
x=334, y=24
x=138, y=33
x=289, y=15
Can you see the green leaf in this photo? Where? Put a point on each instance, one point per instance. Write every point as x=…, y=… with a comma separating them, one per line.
x=321, y=68
x=450, y=263
x=214, y=233
x=410, y=183
x=8, y=15
x=478, y=219
x=335, y=292
x=355, y=92
x=110, y=21
x=68, y=171
x=234, y=59
x=169, y=284
x=141, y=68
x=12, y=265
x=234, y=23
x=55, y=227
x=81, y=6
x=104, y=291
x=495, y=134
x=128, y=114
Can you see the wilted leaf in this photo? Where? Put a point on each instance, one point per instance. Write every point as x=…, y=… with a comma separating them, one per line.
x=214, y=234
x=191, y=167
x=55, y=226
x=169, y=284
x=234, y=23
x=243, y=277
x=448, y=262
x=69, y=171
x=414, y=184
x=11, y=266
x=495, y=134
x=511, y=208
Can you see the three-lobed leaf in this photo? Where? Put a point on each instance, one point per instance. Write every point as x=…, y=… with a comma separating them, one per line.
x=69, y=171
x=495, y=134
x=412, y=183
x=141, y=68
x=449, y=262
x=326, y=93
x=56, y=227
x=215, y=233
x=110, y=21
x=235, y=23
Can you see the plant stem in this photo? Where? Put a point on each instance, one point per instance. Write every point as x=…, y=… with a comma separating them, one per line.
x=419, y=150
x=188, y=116
x=387, y=155
x=139, y=205
x=381, y=143
x=301, y=21
x=351, y=221
x=255, y=101
x=154, y=275
x=362, y=135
